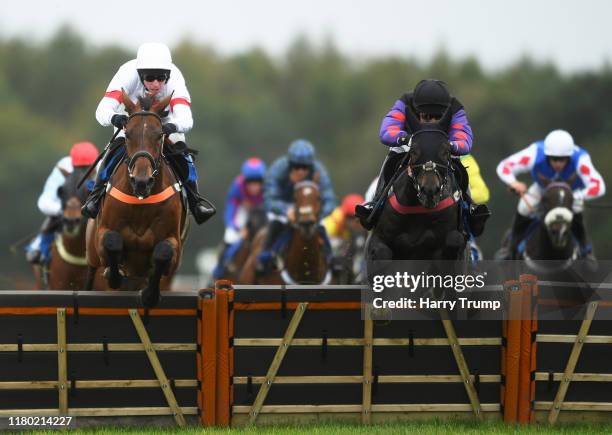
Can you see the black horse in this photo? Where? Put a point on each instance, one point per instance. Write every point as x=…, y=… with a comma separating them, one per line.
x=422, y=218
x=550, y=246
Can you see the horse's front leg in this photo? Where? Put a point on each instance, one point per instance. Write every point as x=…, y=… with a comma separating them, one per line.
x=454, y=245
x=165, y=255
x=111, y=250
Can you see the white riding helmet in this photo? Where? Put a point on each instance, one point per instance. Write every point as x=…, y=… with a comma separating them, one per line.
x=559, y=143
x=153, y=55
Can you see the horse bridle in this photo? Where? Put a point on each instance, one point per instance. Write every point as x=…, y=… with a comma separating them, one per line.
x=155, y=162
x=429, y=166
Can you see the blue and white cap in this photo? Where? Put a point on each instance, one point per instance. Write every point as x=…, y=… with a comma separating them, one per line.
x=301, y=152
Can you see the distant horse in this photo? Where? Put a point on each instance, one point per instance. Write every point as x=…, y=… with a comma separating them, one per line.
x=256, y=220
x=422, y=219
x=137, y=235
x=550, y=245
x=303, y=260
x=67, y=267
x=348, y=262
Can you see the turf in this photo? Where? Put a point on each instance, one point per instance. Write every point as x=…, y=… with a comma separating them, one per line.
x=337, y=429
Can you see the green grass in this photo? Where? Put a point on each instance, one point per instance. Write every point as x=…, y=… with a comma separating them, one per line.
x=346, y=429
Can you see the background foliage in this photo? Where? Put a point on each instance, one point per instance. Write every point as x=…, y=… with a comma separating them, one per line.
x=253, y=104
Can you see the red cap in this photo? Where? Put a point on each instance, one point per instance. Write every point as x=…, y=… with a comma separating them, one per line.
x=349, y=203
x=83, y=154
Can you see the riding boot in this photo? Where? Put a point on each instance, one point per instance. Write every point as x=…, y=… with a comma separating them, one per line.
x=110, y=161
x=38, y=250
x=201, y=209
x=365, y=212
x=519, y=228
x=579, y=231
x=478, y=215
x=264, y=259
x=182, y=163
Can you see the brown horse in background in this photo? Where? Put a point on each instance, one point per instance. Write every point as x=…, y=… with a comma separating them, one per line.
x=256, y=220
x=136, y=236
x=67, y=267
x=303, y=260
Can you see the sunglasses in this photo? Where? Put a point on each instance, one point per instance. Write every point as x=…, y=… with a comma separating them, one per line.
x=153, y=77
x=558, y=158
x=298, y=166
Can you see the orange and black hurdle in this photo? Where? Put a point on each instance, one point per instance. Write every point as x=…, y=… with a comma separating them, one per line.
x=235, y=355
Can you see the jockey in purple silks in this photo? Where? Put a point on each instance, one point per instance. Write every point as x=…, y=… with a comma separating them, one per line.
x=245, y=193
x=429, y=100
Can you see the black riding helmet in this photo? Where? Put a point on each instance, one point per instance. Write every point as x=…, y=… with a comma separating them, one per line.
x=431, y=97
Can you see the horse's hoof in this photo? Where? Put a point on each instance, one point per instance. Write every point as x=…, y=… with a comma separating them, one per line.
x=113, y=282
x=149, y=298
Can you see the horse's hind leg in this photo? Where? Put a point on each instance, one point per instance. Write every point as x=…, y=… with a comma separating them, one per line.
x=162, y=258
x=113, y=247
x=91, y=275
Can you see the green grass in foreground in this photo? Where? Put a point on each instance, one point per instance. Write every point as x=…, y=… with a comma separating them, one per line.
x=346, y=429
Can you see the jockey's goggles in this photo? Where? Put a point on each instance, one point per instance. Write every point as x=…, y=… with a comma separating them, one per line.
x=429, y=117
x=299, y=166
x=155, y=77
x=558, y=158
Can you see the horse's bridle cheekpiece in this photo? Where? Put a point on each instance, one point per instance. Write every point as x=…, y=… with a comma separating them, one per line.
x=155, y=162
x=430, y=166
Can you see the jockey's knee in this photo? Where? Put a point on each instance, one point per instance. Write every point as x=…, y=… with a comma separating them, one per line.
x=176, y=137
x=276, y=217
x=231, y=235
x=526, y=210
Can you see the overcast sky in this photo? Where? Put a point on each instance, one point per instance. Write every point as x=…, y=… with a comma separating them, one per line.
x=576, y=35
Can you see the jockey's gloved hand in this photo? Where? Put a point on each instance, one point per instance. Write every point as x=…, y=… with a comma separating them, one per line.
x=401, y=141
x=119, y=121
x=169, y=128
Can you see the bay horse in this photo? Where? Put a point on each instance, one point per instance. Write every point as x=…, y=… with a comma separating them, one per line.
x=303, y=260
x=550, y=245
x=422, y=218
x=255, y=221
x=67, y=267
x=137, y=236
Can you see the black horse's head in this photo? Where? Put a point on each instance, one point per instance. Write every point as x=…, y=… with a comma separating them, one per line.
x=429, y=162
x=556, y=206
x=72, y=198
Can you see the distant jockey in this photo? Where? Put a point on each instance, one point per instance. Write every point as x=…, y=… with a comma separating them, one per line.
x=298, y=165
x=152, y=74
x=245, y=193
x=341, y=224
x=49, y=202
x=429, y=100
x=556, y=158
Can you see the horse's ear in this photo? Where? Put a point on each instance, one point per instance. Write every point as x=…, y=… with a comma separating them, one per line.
x=161, y=105
x=130, y=107
x=412, y=120
x=444, y=122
